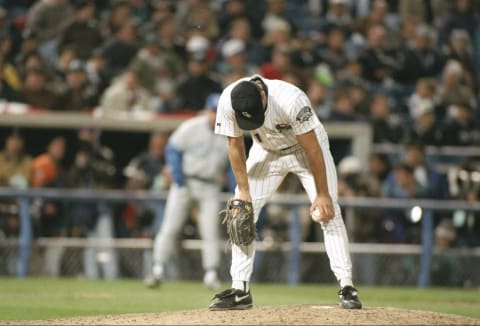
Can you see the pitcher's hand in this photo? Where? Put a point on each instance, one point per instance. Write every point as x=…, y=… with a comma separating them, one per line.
x=322, y=209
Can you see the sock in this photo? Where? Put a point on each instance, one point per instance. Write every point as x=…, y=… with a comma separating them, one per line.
x=157, y=270
x=241, y=285
x=346, y=282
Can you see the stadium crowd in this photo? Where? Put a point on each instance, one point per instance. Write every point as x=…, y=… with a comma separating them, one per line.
x=407, y=68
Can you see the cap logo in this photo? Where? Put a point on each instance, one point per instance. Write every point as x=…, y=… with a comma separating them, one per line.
x=247, y=115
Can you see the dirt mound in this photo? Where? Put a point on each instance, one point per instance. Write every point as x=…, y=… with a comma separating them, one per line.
x=277, y=315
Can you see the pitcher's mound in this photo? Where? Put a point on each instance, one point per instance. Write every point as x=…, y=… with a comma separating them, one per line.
x=276, y=315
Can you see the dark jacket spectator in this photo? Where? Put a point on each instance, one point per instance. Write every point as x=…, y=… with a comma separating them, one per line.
x=79, y=94
x=424, y=127
x=120, y=51
x=83, y=31
x=192, y=92
x=462, y=16
x=461, y=128
x=35, y=90
x=379, y=63
x=419, y=58
x=387, y=127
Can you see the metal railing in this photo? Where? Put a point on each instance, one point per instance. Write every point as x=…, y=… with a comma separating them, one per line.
x=292, y=201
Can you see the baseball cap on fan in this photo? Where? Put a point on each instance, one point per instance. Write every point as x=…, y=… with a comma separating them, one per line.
x=247, y=103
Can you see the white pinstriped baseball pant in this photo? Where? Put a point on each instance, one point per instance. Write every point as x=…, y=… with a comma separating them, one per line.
x=266, y=170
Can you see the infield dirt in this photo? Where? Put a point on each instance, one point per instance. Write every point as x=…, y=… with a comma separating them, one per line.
x=269, y=315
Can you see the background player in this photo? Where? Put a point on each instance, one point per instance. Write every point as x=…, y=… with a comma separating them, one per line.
x=288, y=137
x=195, y=156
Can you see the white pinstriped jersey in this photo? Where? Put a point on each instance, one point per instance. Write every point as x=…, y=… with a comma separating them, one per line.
x=288, y=114
x=204, y=153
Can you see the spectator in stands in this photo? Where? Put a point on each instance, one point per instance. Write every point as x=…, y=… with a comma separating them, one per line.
x=403, y=183
x=424, y=128
x=361, y=98
x=15, y=170
x=15, y=164
x=10, y=82
x=121, y=49
x=452, y=89
x=276, y=12
x=168, y=36
x=425, y=92
x=79, y=94
x=387, y=126
x=29, y=43
x=464, y=184
x=234, y=11
x=241, y=29
x=95, y=68
x=146, y=172
x=280, y=65
x=82, y=31
x=379, y=168
x=428, y=177
x=342, y=111
x=343, y=108
x=125, y=95
x=93, y=220
x=31, y=60
x=47, y=172
x=334, y=54
x=192, y=92
x=460, y=49
x=161, y=10
x=45, y=17
x=36, y=91
x=446, y=268
x=159, y=72
x=235, y=59
x=378, y=16
x=317, y=93
x=338, y=16
x=66, y=56
x=419, y=58
x=197, y=18
x=398, y=226
x=379, y=63
x=461, y=16
x=279, y=36
x=461, y=128
x=120, y=12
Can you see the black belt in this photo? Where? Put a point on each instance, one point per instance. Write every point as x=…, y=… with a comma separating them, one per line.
x=206, y=180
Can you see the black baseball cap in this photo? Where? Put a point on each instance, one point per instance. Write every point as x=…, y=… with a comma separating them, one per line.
x=247, y=103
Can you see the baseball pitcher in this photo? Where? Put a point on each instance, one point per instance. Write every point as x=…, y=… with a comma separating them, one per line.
x=288, y=137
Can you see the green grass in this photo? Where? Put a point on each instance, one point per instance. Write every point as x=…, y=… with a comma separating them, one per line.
x=38, y=298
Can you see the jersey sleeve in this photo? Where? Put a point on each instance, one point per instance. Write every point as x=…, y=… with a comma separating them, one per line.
x=225, y=123
x=302, y=117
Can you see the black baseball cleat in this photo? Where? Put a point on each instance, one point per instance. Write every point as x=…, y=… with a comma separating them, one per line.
x=349, y=298
x=231, y=299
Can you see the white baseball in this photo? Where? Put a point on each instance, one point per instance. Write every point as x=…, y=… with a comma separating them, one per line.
x=316, y=215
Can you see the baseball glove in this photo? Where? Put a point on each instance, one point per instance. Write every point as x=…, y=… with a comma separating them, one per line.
x=238, y=216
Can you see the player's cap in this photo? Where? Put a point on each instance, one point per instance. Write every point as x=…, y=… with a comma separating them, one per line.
x=247, y=103
x=212, y=102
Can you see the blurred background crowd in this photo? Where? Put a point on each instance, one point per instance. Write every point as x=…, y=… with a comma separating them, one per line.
x=407, y=68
